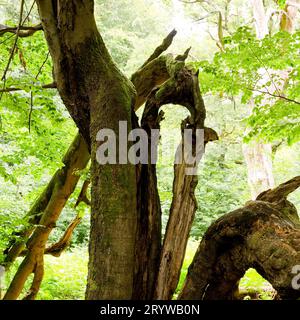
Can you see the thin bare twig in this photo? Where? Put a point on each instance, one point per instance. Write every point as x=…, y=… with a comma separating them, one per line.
x=31, y=93
x=30, y=111
x=15, y=42
x=24, y=31
x=42, y=66
x=29, y=12
x=266, y=69
x=274, y=95
x=51, y=85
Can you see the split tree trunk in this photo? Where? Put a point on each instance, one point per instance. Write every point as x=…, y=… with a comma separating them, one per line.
x=182, y=89
x=264, y=234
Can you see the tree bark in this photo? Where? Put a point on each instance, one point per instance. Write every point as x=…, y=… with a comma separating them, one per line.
x=152, y=73
x=264, y=234
x=182, y=88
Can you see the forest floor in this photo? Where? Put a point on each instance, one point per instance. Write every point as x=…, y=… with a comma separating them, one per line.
x=65, y=277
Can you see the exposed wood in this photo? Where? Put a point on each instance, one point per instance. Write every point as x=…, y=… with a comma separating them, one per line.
x=182, y=88
x=57, y=248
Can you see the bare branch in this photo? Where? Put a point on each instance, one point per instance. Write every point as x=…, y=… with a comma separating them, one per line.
x=161, y=48
x=57, y=248
x=275, y=95
x=83, y=194
x=51, y=85
x=15, y=42
x=24, y=31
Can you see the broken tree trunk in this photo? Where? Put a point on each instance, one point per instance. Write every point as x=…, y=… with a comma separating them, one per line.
x=182, y=88
x=145, y=79
x=264, y=234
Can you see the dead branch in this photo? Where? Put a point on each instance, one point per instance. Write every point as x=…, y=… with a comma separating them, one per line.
x=24, y=31
x=57, y=248
x=161, y=48
x=83, y=194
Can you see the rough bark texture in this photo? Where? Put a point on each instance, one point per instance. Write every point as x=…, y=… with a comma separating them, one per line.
x=264, y=234
x=151, y=74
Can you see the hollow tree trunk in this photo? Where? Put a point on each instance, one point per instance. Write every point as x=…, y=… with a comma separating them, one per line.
x=184, y=203
x=182, y=88
x=264, y=234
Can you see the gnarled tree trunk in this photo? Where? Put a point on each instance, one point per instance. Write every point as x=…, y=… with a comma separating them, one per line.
x=264, y=234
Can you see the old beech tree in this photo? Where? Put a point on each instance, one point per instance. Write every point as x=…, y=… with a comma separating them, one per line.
x=128, y=259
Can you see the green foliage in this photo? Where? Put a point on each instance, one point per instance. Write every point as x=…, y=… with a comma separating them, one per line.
x=254, y=282
x=189, y=256
x=131, y=30
x=254, y=70
x=65, y=277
